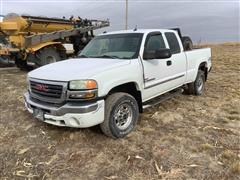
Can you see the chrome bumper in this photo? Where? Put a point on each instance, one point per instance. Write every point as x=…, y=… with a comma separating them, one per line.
x=73, y=107
x=77, y=115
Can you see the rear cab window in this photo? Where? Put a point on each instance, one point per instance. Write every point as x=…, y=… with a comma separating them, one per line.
x=173, y=42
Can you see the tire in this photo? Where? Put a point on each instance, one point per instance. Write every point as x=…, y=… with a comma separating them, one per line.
x=47, y=55
x=197, y=87
x=125, y=109
x=187, y=43
x=21, y=64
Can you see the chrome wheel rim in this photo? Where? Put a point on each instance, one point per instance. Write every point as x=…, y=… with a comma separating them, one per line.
x=199, y=84
x=123, y=116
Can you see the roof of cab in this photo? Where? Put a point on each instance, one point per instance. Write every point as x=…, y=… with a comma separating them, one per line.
x=144, y=31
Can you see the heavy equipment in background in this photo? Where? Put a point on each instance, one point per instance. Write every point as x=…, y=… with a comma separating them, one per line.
x=41, y=40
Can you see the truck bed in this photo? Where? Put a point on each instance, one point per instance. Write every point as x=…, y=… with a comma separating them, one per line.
x=203, y=54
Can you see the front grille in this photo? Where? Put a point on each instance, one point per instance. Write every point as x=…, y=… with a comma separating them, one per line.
x=46, y=90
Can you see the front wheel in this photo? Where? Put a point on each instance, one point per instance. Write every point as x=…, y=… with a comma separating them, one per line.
x=121, y=115
x=197, y=87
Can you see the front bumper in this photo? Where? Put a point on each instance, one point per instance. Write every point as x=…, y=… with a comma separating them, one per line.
x=79, y=115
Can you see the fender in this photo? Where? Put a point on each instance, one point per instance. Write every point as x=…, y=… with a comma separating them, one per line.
x=118, y=76
x=109, y=88
x=194, y=75
x=114, y=84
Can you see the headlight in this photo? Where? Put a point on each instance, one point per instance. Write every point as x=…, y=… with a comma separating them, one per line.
x=82, y=89
x=82, y=84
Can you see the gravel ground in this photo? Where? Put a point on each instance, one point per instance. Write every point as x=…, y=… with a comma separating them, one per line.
x=187, y=137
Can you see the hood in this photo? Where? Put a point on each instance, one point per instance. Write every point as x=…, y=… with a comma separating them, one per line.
x=74, y=69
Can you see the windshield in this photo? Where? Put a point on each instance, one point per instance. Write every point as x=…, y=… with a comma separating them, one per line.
x=121, y=46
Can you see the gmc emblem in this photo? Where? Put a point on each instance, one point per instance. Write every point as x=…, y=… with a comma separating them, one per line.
x=41, y=87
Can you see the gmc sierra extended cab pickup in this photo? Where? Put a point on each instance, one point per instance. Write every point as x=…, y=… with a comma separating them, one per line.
x=114, y=78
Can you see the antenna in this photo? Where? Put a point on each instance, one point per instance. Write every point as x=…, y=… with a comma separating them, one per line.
x=126, y=25
x=135, y=29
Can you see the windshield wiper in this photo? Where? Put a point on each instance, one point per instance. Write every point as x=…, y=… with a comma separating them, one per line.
x=103, y=56
x=82, y=56
x=124, y=58
x=106, y=56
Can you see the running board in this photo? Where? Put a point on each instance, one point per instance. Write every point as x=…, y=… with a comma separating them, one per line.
x=162, y=98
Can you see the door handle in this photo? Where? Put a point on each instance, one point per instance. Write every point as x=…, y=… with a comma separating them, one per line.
x=169, y=63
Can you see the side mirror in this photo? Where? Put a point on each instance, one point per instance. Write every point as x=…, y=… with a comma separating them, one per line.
x=158, y=54
x=163, y=54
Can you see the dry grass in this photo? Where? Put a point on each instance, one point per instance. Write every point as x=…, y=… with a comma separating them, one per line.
x=187, y=137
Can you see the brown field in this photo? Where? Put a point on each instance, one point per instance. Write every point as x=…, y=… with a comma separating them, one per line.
x=187, y=137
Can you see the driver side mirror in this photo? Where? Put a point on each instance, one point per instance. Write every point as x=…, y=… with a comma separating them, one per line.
x=158, y=54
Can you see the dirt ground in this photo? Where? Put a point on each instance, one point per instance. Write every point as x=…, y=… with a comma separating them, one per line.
x=187, y=137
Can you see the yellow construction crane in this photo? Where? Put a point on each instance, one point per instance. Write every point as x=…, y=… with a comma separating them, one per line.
x=40, y=40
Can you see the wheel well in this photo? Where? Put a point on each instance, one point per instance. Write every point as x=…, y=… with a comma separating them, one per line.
x=131, y=89
x=58, y=47
x=62, y=51
x=203, y=67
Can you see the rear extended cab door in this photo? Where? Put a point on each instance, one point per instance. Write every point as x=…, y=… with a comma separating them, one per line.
x=178, y=67
x=163, y=75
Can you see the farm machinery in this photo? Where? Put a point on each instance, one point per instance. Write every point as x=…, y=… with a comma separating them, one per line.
x=41, y=40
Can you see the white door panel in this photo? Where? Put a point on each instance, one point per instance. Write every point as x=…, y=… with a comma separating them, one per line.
x=160, y=77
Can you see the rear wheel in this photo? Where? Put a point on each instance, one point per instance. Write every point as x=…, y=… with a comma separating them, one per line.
x=48, y=55
x=121, y=115
x=197, y=87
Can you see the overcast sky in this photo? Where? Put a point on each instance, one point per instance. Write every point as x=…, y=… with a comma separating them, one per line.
x=203, y=20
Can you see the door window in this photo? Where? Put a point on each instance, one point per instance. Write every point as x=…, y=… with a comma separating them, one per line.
x=173, y=42
x=155, y=42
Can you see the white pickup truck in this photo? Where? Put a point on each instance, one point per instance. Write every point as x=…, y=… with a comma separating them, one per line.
x=114, y=78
